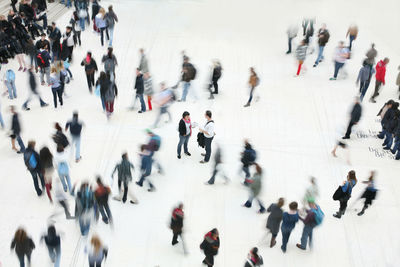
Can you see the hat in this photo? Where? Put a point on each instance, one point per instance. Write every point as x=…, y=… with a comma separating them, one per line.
x=149, y=131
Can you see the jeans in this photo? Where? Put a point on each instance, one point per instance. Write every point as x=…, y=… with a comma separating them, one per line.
x=251, y=95
x=33, y=60
x=67, y=4
x=183, y=140
x=338, y=66
x=396, y=146
x=163, y=110
x=111, y=35
x=363, y=89
x=82, y=23
x=142, y=103
x=186, y=86
x=246, y=170
x=388, y=140
x=307, y=234
x=125, y=190
x=207, y=143
x=12, y=91
x=352, y=38
x=65, y=180
x=103, y=103
x=44, y=71
x=102, y=35
x=20, y=143
x=84, y=225
x=44, y=19
x=285, y=237
x=35, y=175
x=1, y=120
x=76, y=140
x=348, y=132
x=21, y=259
x=57, y=92
x=320, y=54
x=105, y=212
x=55, y=255
x=95, y=263
x=146, y=170
x=290, y=44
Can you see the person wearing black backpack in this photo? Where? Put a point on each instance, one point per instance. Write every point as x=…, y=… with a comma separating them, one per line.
x=249, y=156
x=216, y=74
x=32, y=162
x=208, y=133
x=343, y=193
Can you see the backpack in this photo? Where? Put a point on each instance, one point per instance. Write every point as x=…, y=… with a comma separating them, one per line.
x=201, y=137
x=194, y=72
x=158, y=142
x=252, y=155
x=40, y=61
x=30, y=161
x=318, y=215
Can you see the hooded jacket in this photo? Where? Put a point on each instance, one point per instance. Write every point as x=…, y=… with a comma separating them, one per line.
x=380, y=71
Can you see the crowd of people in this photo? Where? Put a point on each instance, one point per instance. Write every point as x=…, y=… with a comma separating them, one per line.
x=50, y=51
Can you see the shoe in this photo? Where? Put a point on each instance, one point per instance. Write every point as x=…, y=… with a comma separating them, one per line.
x=332, y=79
x=188, y=154
x=77, y=160
x=44, y=105
x=384, y=144
x=288, y=52
x=203, y=154
x=337, y=215
x=133, y=202
x=380, y=137
x=43, y=83
x=393, y=152
x=300, y=247
x=360, y=213
x=247, y=204
x=20, y=68
x=139, y=184
x=207, y=183
x=140, y=111
x=247, y=105
x=39, y=193
x=26, y=108
x=314, y=65
x=179, y=156
x=372, y=100
x=19, y=152
x=283, y=250
x=261, y=211
x=152, y=189
x=202, y=161
x=397, y=158
x=24, y=69
x=386, y=148
x=175, y=242
x=273, y=242
x=346, y=137
x=210, y=98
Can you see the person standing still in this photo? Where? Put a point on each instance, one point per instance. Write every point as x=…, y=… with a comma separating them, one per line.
x=208, y=131
x=379, y=77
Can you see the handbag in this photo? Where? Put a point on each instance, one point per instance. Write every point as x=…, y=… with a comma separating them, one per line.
x=338, y=194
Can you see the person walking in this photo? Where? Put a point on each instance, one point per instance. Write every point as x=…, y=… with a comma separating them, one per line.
x=68, y=43
x=208, y=133
x=16, y=131
x=56, y=86
x=369, y=193
x=43, y=61
x=312, y=192
x=84, y=207
x=185, y=132
x=46, y=162
x=176, y=224
x=396, y=148
x=343, y=193
x=139, y=86
x=352, y=33
x=143, y=64
x=109, y=97
x=255, y=186
x=101, y=24
x=355, y=116
x=210, y=246
x=110, y=62
x=103, y=83
x=33, y=91
x=216, y=75
x=386, y=113
x=90, y=68
x=148, y=88
x=124, y=178
x=291, y=33
x=364, y=78
x=61, y=198
x=164, y=100
x=23, y=246
x=32, y=162
x=314, y=218
x=379, y=77
x=254, y=81
x=75, y=129
x=340, y=57
x=53, y=244
x=188, y=75
x=111, y=18
x=217, y=167
x=301, y=52
x=254, y=259
x=101, y=193
x=289, y=220
x=96, y=251
x=61, y=160
x=323, y=38
x=274, y=219
x=249, y=156
x=9, y=80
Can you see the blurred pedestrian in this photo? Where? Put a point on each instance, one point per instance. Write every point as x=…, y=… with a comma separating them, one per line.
x=210, y=246
x=23, y=246
x=254, y=81
x=274, y=219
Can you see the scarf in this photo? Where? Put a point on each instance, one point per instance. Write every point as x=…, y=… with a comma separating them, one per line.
x=190, y=125
x=88, y=58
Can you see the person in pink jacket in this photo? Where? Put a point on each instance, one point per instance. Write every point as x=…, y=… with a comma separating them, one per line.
x=379, y=77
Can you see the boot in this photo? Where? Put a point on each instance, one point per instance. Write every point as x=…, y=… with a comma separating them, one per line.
x=247, y=204
x=338, y=214
x=273, y=242
x=362, y=211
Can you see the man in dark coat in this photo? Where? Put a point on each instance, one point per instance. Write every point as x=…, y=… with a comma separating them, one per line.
x=139, y=86
x=354, y=117
x=248, y=158
x=55, y=36
x=16, y=131
x=390, y=127
x=32, y=83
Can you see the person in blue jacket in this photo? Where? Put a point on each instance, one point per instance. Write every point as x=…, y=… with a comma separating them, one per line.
x=289, y=220
x=346, y=190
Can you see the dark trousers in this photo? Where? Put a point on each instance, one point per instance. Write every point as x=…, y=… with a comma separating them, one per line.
x=285, y=237
x=207, y=143
x=363, y=89
x=21, y=259
x=251, y=95
x=102, y=35
x=214, y=83
x=212, y=179
x=90, y=80
x=246, y=170
x=175, y=237
x=290, y=44
x=35, y=175
x=348, y=132
x=95, y=264
x=352, y=38
x=388, y=140
x=78, y=37
x=64, y=204
x=377, y=87
x=183, y=140
x=125, y=190
x=146, y=170
x=57, y=92
x=338, y=66
x=105, y=211
x=209, y=260
x=343, y=205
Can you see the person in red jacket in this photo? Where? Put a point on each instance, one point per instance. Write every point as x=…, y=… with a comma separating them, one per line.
x=379, y=77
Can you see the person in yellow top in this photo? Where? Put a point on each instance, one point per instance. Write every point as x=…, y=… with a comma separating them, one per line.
x=253, y=82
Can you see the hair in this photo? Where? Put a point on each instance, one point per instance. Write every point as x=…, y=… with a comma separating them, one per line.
x=58, y=127
x=51, y=231
x=125, y=155
x=60, y=148
x=352, y=176
x=281, y=202
x=110, y=8
x=102, y=11
x=386, y=59
x=185, y=114
x=258, y=168
x=293, y=205
x=254, y=251
x=142, y=147
x=20, y=235
x=75, y=115
x=214, y=231
x=103, y=75
x=208, y=113
x=96, y=243
x=98, y=180
x=180, y=205
x=31, y=144
x=109, y=51
x=53, y=69
x=45, y=154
